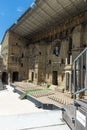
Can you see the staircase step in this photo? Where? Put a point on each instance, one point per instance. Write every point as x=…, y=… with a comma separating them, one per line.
x=59, y=89
x=68, y=94
x=23, y=96
x=62, y=101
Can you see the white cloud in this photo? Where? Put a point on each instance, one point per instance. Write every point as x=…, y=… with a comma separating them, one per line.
x=20, y=9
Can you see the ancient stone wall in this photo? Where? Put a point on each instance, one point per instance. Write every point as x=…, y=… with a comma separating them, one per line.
x=5, y=49
x=15, y=55
x=45, y=60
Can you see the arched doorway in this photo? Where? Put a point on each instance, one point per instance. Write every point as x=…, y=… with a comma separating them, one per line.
x=5, y=78
x=15, y=76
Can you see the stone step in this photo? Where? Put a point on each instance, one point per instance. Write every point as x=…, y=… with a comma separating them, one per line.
x=59, y=89
x=70, y=95
x=41, y=94
x=23, y=96
x=62, y=101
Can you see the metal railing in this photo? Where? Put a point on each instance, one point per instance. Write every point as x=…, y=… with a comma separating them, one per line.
x=80, y=73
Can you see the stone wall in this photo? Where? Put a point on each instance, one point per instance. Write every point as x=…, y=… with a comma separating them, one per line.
x=15, y=55
x=18, y=56
x=43, y=61
x=5, y=49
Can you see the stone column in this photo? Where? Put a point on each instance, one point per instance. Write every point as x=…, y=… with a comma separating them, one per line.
x=9, y=78
x=71, y=60
x=66, y=62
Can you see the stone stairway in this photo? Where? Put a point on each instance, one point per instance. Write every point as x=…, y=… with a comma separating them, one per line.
x=61, y=100
x=70, y=95
x=57, y=95
x=60, y=89
x=41, y=94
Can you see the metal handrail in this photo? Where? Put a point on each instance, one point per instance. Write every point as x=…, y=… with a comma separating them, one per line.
x=80, y=54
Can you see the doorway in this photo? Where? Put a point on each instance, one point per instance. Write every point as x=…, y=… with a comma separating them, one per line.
x=55, y=78
x=15, y=76
x=5, y=78
x=32, y=76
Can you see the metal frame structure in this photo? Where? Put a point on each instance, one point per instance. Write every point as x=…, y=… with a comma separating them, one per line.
x=79, y=80
x=45, y=14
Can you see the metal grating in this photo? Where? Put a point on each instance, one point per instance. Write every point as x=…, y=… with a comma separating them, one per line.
x=45, y=14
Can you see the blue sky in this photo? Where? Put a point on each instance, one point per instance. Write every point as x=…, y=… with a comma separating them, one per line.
x=10, y=11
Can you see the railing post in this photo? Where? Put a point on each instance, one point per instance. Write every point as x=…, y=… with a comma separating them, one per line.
x=79, y=74
x=86, y=69
x=74, y=79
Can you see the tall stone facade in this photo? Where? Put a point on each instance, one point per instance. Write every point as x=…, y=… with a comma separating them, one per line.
x=48, y=60
x=14, y=53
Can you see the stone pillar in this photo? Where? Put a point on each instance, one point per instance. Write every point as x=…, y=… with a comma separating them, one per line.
x=77, y=36
x=71, y=60
x=66, y=62
x=9, y=78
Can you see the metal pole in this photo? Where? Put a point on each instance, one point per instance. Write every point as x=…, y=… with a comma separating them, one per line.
x=79, y=75
x=82, y=72
x=86, y=69
x=74, y=79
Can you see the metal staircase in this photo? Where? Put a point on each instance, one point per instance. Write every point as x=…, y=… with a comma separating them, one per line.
x=80, y=73
x=76, y=115
x=80, y=87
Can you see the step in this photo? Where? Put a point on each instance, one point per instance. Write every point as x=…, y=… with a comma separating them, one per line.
x=70, y=95
x=62, y=101
x=60, y=89
x=23, y=96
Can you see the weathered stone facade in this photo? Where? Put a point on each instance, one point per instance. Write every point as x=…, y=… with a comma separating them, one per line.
x=48, y=60
x=14, y=54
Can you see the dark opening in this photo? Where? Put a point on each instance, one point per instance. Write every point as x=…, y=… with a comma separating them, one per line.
x=21, y=64
x=5, y=78
x=49, y=61
x=55, y=77
x=32, y=76
x=22, y=55
x=15, y=76
x=70, y=50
